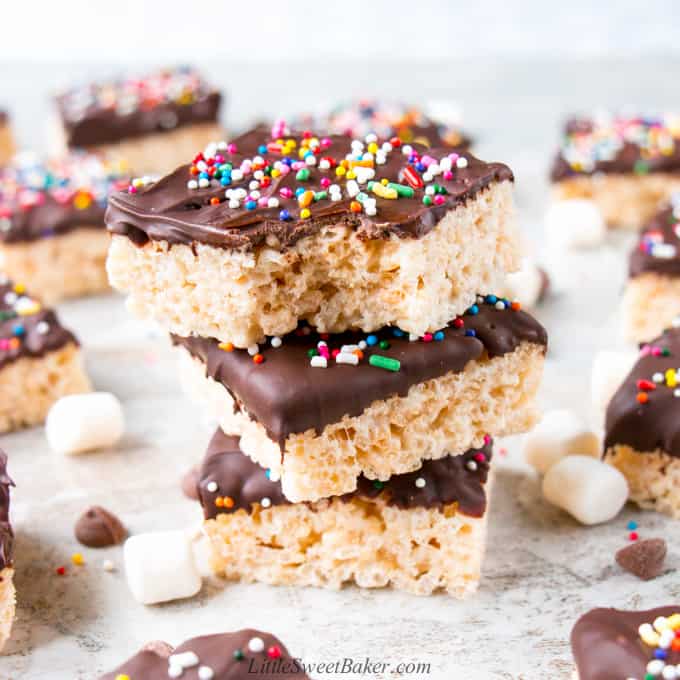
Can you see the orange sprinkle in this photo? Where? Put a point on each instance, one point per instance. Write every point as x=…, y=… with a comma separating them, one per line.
x=361, y=164
x=258, y=358
x=228, y=502
x=226, y=346
x=516, y=306
x=642, y=397
x=214, y=201
x=355, y=206
x=219, y=502
x=359, y=353
x=14, y=343
x=675, y=645
x=305, y=199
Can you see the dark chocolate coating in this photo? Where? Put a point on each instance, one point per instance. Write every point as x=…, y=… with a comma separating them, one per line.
x=32, y=342
x=286, y=395
x=169, y=211
x=642, y=261
x=6, y=533
x=447, y=480
x=219, y=652
x=607, y=646
x=624, y=161
x=655, y=424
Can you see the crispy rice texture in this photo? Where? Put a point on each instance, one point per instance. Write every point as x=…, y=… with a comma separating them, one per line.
x=6, y=144
x=29, y=386
x=7, y=604
x=60, y=267
x=436, y=418
x=334, y=279
x=627, y=201
x=153, y=154
x=368, y=542
x=650, y=303
x=653, y=477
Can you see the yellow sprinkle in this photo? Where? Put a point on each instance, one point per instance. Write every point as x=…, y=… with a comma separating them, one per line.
x=340, y=171
x=19, y=288
x=661, y=624
x=122, y=676
x=384, y=181
x=351, y=174
x=674, y=621
x=82, y=200
x=671, y=380
x=137, y=182
x=383, y=192
x=305, y=213
x=648, y=635
x=372, y=147
x=78, y=559
x=275, y=172
x=226, y=346
x=29, y=309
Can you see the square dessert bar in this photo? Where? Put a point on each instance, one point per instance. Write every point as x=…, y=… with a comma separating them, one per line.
x=153, y=122
x=254, y=236
x=39, y=359
x=612, y=644
x=642, y=426
x=651, y=301
x=6, y=139
x=421, y=532
x=626, y=165
x=7, y=591
x=52, y=222
x=223, y=656
x=321, y=411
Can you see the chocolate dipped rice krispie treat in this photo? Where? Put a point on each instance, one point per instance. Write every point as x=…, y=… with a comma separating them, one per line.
x=39, y=359
x=153, y=122
x=6, y=138
x=611, y=644
x=7, y=592
x=321, y=410
x=642, y=426
x=421, y=532
x=627, y=165
x=225, y=656
x=651, y=300
x=52, y=222
x=254, y=236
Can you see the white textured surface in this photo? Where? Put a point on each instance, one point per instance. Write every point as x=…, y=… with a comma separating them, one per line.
x=543, y=569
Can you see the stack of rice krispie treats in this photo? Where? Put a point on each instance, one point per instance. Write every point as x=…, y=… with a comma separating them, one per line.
x=331, y=299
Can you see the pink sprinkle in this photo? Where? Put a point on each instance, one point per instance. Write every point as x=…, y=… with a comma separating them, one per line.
x=448, y=175
x=262, y=201
x=427, y=160
x=286, y=192
x=284, y=169
x=219, y=158
x=231, y=148
x=480, y=457
x=427, y=337
x=656, y=351
x=132, y=190
x=298, y=165
x=325, y=182
x=335, y=352
x=454, y=157
x=325, y=143
x=487, y=440
x=439, y=199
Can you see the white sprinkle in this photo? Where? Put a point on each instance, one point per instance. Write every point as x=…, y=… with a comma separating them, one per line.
x=206, y=673
x=310, y=159
x=658, y=377
x=500, y=305
x=256, y=645
x=407, y=149
x=434, y=169
x=370, y=210
x=429, y=190
x=276, y=342
x=371, y=137
x=253, y=350
x=43, y=328
x=346, y=358
x=318, y=362
x=412, y=337
x=349, y=348
x=676, y=393
x=676, y=322
x=322, y=343
x=362, y=344
x=253, y=185
x=471, y=465
x=211, y=486
x=234, y=203
x=203, y=183
x=445, y=163
x=255, y=195
x=363, y=174
x=266, y=502
x=386, y=147
x=192, y=184
x=352, y=188
x=420, y=483
x=462, y=162
x=273, y=476
x=380, y=158
x=108, y=565
x=324, y=164
x=655, y=666
x=175, y=671
x=236, y=175
x=428, y=177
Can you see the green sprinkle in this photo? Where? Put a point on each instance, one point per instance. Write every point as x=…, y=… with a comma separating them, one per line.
x=302, y=175
x=312, y=352
x=402, y=190
x=361, y=196
x=377, y=484
x=641, y=167
x=427, y=200
x=370, y=185
x=238, y=655
x=320, y=195
x=384, y=344
x=666, y=352
x=387, y=363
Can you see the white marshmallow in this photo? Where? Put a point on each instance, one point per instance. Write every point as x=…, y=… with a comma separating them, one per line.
x=84, y=422
x=525, y=286
x=588, y=489
x=560, y=433
x=160, y=566
x=574, y=223
x=610, y=369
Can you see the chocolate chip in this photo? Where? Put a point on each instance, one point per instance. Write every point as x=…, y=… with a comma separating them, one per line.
x=190, y=484
x=643, y=558
x=98, y=528
x=162, y=649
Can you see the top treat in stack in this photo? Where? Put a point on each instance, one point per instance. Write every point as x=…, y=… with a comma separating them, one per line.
x=625, y=164
x=152, y=121
x=253, y=236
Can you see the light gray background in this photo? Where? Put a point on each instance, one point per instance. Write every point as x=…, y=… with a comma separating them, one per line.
x=515, y=69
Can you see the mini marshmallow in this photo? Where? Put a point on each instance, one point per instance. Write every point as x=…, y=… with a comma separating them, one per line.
x=588, y=489
x=84, y=422
x=160, y=566
x=574, y=223
x=610, y=369
x=560, y=433
x=525, y=285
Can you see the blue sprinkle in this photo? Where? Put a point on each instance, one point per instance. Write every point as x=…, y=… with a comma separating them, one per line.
x=632, y=525
x=268, y=473
x=251, y=205
x=299, y=191
x=203, y=175
x=474, y=310
x=660, y=653
x=262, y=149
x=420, y=167
x=438, y=336
x=287, y=161
x=398, y=333
x=284, y=215
x=372, y=340
x=225, y=181
x=491, y=299
x=470, y=333
x=18, y=330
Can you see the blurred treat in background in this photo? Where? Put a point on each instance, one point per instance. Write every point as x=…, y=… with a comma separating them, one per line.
x=6, y=139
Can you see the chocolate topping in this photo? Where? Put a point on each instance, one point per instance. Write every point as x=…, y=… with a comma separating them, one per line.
x=658, y=248
x=106, y=113
x=607, y=646
x=6, y=533
x=231, y=656
x=645, y=558
x=228, y=473
x=287, y=395
x=614, y=144
x=654, y=424
x=98, y=528
x=170, y=211
x=26, y=328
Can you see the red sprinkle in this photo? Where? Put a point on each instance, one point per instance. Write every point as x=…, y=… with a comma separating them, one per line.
x=258, y=359
x=647, y=385
x=274, y=652
x=633, y=536
x=414, y=180
x=61, y=571
x=458, y=323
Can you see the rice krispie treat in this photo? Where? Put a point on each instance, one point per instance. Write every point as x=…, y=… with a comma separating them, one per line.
x=6, y=139
x=651, y=300
x=52, y=222
x=7, y=592
x=642, y=426
x=611, y=644
x=254, y=236
x=626, y=165
x=153, y=122
x=225, y=656
x=421, y=532
x=319, y=411
x=39, y=359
